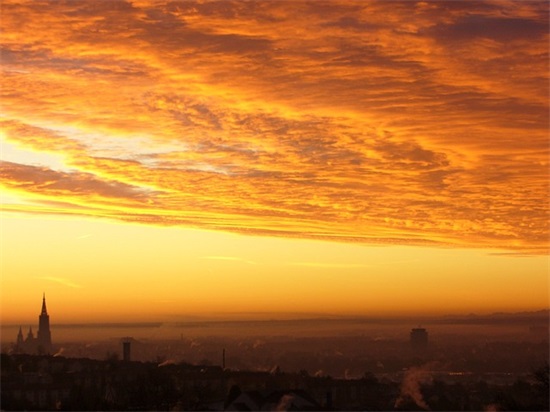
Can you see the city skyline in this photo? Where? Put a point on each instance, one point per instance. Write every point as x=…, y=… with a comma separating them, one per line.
x=164, y=159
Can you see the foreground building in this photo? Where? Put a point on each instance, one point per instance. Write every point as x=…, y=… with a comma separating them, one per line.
x=42, y=343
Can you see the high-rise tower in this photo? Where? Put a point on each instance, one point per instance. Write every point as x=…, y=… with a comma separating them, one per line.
x=419, y=339
x=44, y=336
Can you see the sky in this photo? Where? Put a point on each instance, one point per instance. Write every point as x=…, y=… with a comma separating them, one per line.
x=168, y=159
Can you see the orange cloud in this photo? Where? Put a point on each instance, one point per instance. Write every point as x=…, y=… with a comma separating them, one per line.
x=415, y=123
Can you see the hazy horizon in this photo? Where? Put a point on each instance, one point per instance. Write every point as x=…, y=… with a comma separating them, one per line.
x=496, y=325
x=248, y=330
x=307, y=316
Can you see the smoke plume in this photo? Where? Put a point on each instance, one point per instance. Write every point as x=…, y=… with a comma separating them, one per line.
x=410, y=386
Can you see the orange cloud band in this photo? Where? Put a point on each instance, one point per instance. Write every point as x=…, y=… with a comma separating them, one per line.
x=415, y=123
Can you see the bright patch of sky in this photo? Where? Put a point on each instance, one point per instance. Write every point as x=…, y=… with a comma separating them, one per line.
x=10, y=152
x=203, y=167
x=127, y=147
x=10, y=199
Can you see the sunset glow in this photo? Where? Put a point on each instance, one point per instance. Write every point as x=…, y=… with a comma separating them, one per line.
x=216, y=158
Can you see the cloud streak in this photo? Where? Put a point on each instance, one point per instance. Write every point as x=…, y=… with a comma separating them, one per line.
x=229, y=258
x=422, y=123
x=62, y=281
x=329, y=265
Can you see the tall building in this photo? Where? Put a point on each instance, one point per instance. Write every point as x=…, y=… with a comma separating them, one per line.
x=42, y=344
x=44, y=335
x=419, y=338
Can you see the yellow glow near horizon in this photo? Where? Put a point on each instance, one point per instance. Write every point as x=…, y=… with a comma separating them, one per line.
x=100, y=271
x=337, y=157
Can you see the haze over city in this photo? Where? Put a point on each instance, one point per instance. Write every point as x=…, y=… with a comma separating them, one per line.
x=174, y=161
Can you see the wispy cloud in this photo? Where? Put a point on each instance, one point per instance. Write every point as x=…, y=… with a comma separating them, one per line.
x=330, y=265
x=229, y=258
x=62, y=281
x=410, y=123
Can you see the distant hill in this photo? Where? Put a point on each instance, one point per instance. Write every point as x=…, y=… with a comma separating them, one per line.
x=500, y=317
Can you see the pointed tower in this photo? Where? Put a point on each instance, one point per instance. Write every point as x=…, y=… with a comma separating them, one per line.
x=20, y=338
x=20, y=345
x=30, y=335
x=44, y=336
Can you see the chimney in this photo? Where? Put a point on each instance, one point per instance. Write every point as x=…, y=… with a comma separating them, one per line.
x=126, y=349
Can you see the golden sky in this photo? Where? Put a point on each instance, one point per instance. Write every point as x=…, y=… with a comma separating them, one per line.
x=274, y=156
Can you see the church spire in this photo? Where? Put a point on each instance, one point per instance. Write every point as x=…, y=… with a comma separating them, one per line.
x=20, y=341
x=44, y=311
x=44, y=336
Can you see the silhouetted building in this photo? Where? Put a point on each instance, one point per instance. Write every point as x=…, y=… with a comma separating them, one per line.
x=44, y=336
x=42, y=344
x=419, y=338
x=19, y=338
